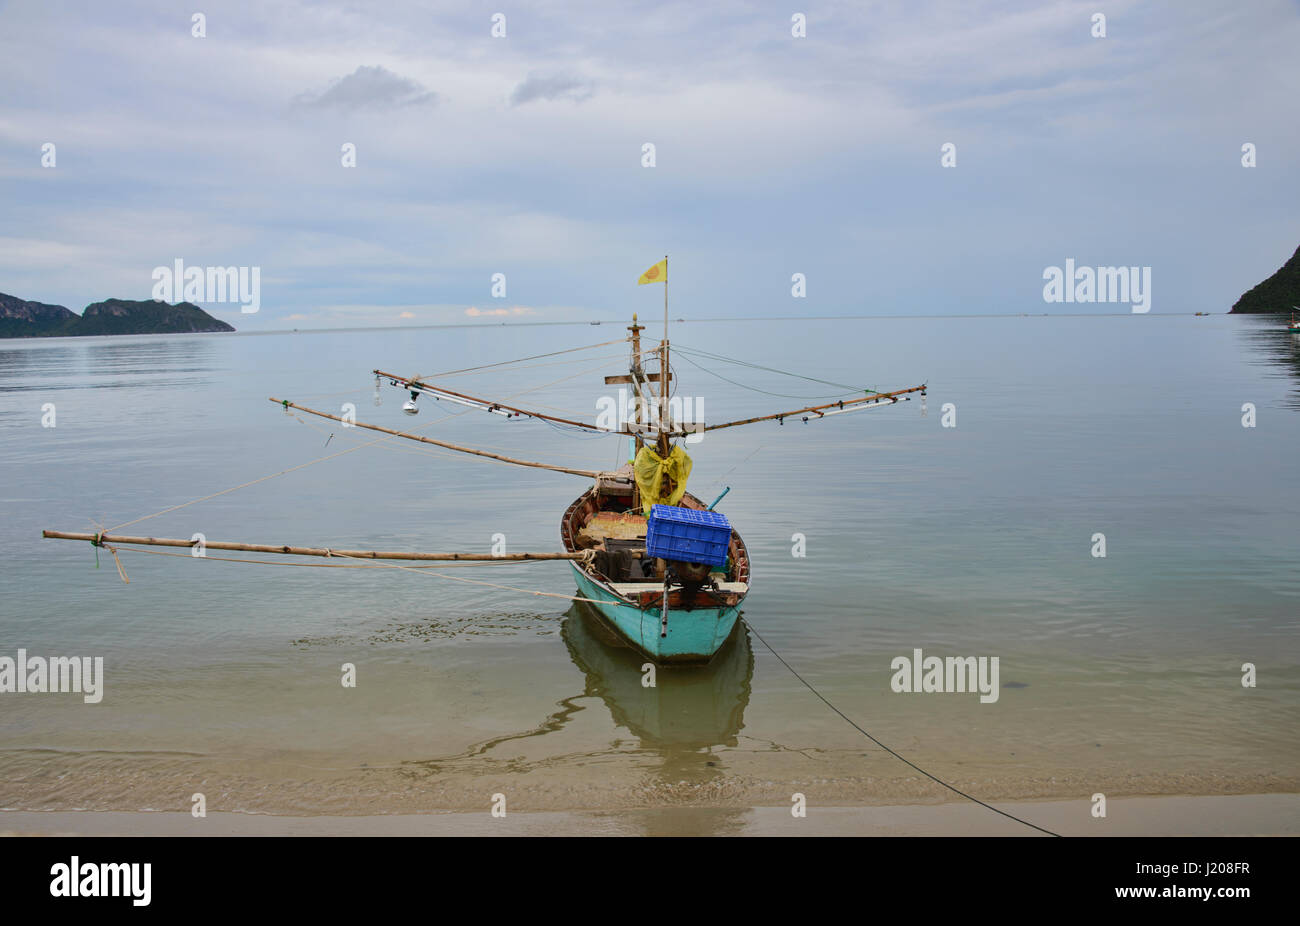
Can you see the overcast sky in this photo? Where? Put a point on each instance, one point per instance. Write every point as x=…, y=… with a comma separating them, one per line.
x=522, y=155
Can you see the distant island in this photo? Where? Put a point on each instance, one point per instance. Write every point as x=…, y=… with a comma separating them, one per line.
x=1279, y=293
x=22, y=319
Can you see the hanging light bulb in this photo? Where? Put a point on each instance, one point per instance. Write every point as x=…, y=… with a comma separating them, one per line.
x=378, y=399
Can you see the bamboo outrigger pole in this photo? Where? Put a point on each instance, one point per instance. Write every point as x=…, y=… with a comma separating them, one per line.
x=487, y=404
x=591, y=474
x=100, y=540
x=821, y=411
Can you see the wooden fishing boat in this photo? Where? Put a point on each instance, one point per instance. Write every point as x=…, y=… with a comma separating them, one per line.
x=658, y=566
x=671, y=616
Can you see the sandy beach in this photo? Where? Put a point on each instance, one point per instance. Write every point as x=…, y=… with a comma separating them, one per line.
x=1233, y=815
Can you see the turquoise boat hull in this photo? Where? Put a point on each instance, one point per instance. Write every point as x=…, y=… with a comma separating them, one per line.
x=693, y=635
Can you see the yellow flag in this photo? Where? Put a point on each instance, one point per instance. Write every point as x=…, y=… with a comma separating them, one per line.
x=656, y=274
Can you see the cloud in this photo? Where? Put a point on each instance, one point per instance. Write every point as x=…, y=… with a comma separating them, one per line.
x=475, y=312
x=368, y=88
x=765, y=143
x=554, y=87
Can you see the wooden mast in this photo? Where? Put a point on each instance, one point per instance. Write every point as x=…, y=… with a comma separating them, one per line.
x=635, y=369
x=664, y=440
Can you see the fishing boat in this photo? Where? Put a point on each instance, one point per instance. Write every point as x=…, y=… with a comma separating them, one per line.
x=1294, y=327
x=653, y=562
x=670, y=610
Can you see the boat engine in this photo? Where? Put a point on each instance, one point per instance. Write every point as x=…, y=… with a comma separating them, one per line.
x=690, y=576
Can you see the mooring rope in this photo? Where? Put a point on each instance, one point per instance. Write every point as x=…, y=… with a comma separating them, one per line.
x=937, y=780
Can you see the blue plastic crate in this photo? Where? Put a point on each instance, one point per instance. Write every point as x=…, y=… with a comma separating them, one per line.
x=688, y=535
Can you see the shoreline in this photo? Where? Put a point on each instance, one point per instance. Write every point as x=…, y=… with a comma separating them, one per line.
x=1218, y=815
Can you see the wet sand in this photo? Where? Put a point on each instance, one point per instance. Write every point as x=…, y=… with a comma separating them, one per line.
x=1230, y=815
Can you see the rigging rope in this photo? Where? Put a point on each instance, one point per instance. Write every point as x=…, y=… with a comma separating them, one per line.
x=243, y=486
x=331, y=456
x=757, y=366
x=780, y=395
x=503, y=363
x=532, y=366
x=754, y=631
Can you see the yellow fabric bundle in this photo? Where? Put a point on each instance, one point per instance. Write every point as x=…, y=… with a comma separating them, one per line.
x=653, y=471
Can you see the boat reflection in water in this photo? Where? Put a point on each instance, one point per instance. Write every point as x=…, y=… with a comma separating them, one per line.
x=690, y=710
x=677, y=724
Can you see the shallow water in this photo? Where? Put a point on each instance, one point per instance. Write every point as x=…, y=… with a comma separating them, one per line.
x=1118, y=674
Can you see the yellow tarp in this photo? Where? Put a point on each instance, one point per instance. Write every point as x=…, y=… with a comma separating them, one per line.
x=661, y=481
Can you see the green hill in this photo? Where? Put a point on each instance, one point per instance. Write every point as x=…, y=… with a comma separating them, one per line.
x=20, y=318
x=123, y=316
x=1279, y=293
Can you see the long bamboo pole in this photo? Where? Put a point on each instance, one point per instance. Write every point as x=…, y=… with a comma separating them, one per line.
x=847, y=403
x=101, y=539
x=591, y=474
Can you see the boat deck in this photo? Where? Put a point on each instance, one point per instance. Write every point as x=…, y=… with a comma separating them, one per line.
x=603, y=520
x=630, y=589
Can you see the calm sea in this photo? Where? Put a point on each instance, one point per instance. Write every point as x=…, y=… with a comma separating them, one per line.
x=1119, y=674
